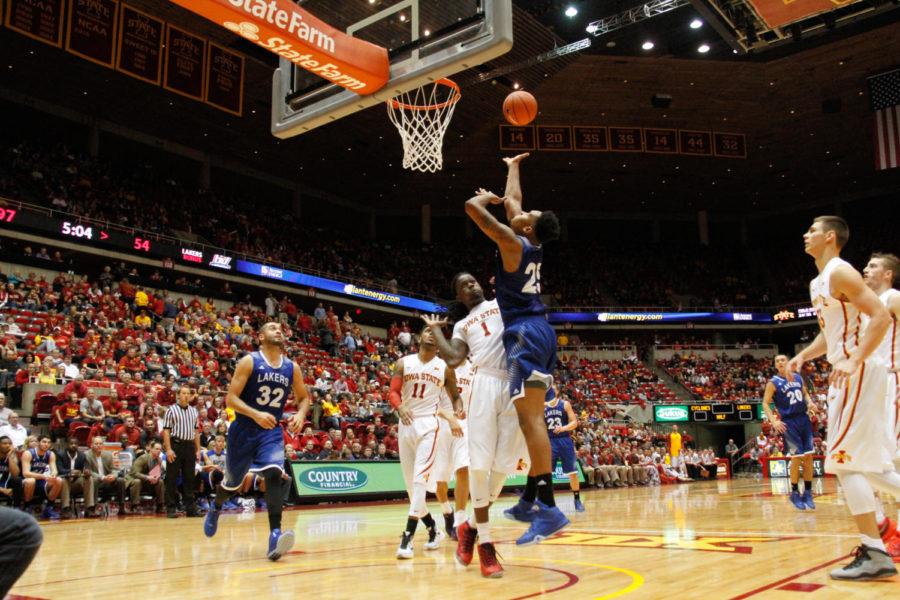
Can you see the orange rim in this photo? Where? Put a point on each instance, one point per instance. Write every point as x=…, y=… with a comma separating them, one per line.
x=452, y=100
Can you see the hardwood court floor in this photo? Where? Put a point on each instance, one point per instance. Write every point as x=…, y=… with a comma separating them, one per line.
x=726, y=539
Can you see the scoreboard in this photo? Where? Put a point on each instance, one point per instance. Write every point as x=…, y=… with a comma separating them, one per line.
x=708, y=413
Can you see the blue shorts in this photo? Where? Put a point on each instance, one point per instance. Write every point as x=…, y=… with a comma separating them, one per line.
x=798, y=436
x=530, y=346
x=563, y=448
x=251, y=448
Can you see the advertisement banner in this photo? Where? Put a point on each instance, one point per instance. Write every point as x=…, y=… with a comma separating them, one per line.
x=316, y=479
x=349, y=289
x=668, y=413
x=659, y=317
x=292, y=33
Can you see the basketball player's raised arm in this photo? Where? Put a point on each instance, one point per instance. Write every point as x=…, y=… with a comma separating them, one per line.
x=777, y=425
x=506, y=240
x=242, y=375
x=453, y=351
x=512, y=195
x=301, y=397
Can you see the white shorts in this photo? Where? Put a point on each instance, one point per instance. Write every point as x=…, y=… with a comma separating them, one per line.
x=418, y=451
x=893, y=402
x=452, y=452
x=495, y=441
x=858, y=440
x=676, y=461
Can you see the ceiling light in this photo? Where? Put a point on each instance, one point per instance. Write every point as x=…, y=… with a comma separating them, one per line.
x=591, y=28
x=648, y=45
x=402, y=18
x=426, y=33
x=703, y=49
x=696, y=24
x=571, y=11
x=610, y=44
x=516, y=85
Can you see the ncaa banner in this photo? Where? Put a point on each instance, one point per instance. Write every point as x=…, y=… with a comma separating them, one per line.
x=284, y=28
x=781, y=12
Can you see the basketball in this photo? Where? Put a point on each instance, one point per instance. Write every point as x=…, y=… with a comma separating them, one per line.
x=520, y=108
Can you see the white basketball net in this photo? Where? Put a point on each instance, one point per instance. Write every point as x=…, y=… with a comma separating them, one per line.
x=422, y=116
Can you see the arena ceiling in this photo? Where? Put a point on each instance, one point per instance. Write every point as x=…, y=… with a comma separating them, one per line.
x=804, y=110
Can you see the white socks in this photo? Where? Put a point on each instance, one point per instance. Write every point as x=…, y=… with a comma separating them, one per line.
x=459, y=517
x=484, y=534
x=876, y=543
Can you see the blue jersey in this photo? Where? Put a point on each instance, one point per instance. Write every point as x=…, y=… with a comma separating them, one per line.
x=789, y=396
x=40, y=464
x=555, y=415
x=268, y=388
x=519, y=293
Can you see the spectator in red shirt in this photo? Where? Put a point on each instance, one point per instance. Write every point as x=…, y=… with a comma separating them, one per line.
x=130, y=431
x=76, y=386
x=65, y=415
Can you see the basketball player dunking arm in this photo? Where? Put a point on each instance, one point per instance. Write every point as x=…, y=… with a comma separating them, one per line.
x=880, y=275
x=529, y=339
x=496, y=445
x=259, y=389
x=794, y=409
x=416, y=386
x=860, y=447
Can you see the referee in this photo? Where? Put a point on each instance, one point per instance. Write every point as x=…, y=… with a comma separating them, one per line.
x=181, y=438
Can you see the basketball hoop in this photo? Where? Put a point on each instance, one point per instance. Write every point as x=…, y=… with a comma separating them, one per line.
x=422, y=116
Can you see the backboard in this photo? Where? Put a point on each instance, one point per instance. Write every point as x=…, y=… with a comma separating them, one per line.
x=426, y=40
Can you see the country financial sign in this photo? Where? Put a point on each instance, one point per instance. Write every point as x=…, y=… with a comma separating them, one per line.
x=670, y=414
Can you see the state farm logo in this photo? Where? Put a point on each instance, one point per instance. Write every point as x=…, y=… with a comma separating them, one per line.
x=244, y=29
x=194, y=256
x=273, y=273
x=220, y=262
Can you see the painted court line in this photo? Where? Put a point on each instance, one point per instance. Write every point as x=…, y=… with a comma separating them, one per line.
x=790, y=578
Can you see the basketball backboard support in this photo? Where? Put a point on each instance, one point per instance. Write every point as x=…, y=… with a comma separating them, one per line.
x=426, y=40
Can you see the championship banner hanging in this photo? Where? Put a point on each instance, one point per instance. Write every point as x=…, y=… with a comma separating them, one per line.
x=92, y=30
x=284, y=28
x=41, y=20
x=781, y=12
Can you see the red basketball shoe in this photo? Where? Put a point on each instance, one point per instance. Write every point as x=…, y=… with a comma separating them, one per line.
x=490, y=567
x=465, y=545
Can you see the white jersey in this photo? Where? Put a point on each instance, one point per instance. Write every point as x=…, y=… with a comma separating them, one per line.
x=482, y=332
x=463, y=385
x=423, y=384
x=840, y=321
x=888, y=352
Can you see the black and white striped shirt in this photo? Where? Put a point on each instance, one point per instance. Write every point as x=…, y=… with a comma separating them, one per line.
x=181, y=422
